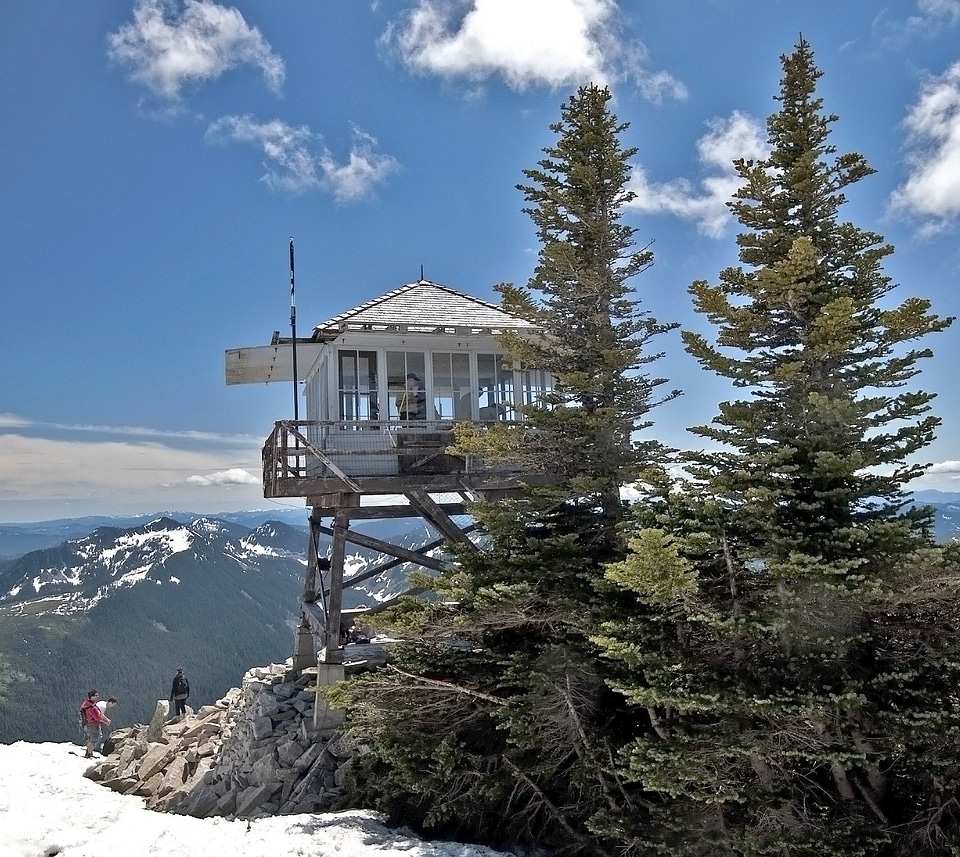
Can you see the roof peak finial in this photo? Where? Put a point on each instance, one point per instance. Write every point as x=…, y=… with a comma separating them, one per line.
x=421, y=273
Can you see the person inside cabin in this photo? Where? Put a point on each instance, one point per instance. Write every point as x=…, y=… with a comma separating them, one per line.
x=412, y=400
x=490, y=407
x=496, y=411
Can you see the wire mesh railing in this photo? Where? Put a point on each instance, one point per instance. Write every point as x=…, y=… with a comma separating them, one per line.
x=299, y=451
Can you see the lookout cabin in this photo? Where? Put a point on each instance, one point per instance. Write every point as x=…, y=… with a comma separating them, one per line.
x=382, y=386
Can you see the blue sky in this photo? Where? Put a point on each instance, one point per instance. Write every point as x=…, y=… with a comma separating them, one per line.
x=157, y=157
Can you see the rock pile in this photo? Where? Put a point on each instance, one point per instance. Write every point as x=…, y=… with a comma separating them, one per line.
x=269, y=747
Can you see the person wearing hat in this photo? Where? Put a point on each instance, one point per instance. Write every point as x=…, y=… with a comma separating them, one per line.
x=179, y=693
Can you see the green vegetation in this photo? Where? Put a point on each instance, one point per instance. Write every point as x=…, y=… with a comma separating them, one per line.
x=789, y=644
x=760, y=658
x=493, y=721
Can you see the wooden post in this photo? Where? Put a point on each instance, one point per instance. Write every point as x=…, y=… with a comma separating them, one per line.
x=305, y=649
x=332, y=652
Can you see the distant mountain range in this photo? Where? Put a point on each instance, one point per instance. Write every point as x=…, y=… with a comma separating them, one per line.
x=119, y=603
x=19, y=539
x=120, y=607
x=946, y=521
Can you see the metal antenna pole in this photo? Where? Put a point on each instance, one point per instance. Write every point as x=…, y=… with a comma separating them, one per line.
x=293, y=331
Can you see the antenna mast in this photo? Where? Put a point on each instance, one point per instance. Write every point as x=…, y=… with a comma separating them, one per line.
x=293, y=332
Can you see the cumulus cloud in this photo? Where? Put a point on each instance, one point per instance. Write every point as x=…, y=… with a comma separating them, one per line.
x=551, y=43
x=737, y=136
x=942, y=476
x=233, y=476
x=931, y=192
x=171, y=44
x=297, y=160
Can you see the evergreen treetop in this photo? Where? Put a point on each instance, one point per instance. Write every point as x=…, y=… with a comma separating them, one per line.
x=802, y=326
x=594, y=338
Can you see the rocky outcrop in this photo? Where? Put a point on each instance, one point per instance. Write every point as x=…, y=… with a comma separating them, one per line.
x=268, y=747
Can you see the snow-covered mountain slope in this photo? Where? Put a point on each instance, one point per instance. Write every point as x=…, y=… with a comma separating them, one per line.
x=120, y=607
x=76, y=575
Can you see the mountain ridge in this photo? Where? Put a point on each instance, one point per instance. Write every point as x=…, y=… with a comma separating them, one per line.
x=118, y=609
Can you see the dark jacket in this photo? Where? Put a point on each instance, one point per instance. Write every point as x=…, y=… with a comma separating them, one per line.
x=183, y=692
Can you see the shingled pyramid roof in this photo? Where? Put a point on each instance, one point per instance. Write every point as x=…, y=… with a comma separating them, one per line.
x=422, y=307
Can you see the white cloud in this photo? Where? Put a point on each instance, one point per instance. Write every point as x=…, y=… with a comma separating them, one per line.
x=931, y=192
x=738, y=136
x=12, y=421
x=934, y=13
x=233, y=476
x=47, y=477
x=363, y=170
x=171, y=44
x=528, y=43
x=944, y=467
x=304, y=163
x=283, y=145
x=931, y=19
x=64, y=470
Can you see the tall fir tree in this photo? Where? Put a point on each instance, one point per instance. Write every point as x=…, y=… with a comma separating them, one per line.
x=791, y=634
x=594, y=341
x=491, y=720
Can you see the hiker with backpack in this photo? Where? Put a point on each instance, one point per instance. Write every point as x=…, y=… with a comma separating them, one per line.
x=93, y=721
x=179, y=692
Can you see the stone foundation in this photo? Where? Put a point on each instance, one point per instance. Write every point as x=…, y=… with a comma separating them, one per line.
x=269, y=747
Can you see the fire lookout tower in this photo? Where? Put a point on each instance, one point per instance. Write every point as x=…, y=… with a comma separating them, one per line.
x=384, y=384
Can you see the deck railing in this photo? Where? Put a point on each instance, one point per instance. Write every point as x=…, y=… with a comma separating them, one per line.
x=300, y=452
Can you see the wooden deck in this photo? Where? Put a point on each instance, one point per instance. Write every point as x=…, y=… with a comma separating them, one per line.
x=313, y=458
x=333, y=465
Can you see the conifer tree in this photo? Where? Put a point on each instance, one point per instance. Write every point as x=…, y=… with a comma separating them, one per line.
x=491, y=721
x=792, y=632
x=594, y=339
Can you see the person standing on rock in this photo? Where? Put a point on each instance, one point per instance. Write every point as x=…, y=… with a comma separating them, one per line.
x=179, y=693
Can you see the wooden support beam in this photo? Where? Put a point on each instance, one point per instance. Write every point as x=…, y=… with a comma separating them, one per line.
x=339, y=499
x=314, y=617
x=313, y=583
x=386, y=566
x=366, y=513
x=390, y=550
x=435, y=514
x=383, y=605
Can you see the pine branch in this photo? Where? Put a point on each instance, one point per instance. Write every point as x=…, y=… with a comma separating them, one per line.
x=448, y=687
